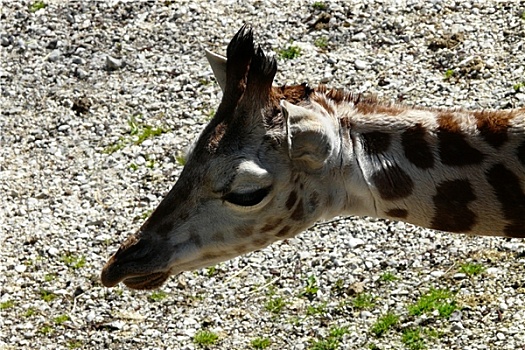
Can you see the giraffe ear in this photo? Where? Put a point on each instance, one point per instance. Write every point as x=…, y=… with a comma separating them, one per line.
x=218, y=66
x=312, y=136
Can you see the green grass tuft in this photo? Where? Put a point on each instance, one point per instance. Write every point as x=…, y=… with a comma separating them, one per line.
x=37, y=5
x=319, y=5
x=311, y=288
x=137, y=134
x=321, y=42
x=388, y=277
x=471, y=269
x=384, y=323
x=331, y=342
x=157, y=296
x=61, y=319
x=260, y=343
x=205, y=338
x=413, y=339
x=363, y=301
x=290, y=53
x=449, y=74
x=74, y=262
x=316, y=310
x=47, y=296
x=436, y=299
x=7, y=304
x=275, y=305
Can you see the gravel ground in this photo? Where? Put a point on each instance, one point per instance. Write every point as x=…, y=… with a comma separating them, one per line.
x=84, y=83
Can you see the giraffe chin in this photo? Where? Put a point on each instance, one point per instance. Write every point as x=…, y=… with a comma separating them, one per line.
x=151, y=281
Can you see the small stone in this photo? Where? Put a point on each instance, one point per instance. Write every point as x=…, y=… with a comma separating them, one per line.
x=80, y=73
x=365, y=314
x=54, y=55
x=53, y=251
x=78, y=60
x=5, y=41
x=113, y=63
x=20, y=268
x=437, y=274
x=459, y=276
x=359, y=37
x=457, y=327
x=355, y=242
x=456, y=316
x=53, y=44
x=360, y=64
x=500, y=336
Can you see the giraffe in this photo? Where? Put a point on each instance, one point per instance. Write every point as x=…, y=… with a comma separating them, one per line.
x=276, y=159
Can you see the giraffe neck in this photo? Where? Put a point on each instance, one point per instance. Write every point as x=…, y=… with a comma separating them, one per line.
x=455, y=171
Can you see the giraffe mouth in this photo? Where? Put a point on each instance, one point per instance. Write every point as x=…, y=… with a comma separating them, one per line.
x=149, y=281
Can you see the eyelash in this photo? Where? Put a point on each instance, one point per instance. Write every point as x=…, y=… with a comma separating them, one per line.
x=247, y=199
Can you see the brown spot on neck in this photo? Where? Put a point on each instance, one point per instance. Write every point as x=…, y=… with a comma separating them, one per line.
x=416, y=148
x=393, y=183
x=451, y=202
x=493, y=125
x=454, y=149
x=376, y=142
x=520, y=152
x=510, y=194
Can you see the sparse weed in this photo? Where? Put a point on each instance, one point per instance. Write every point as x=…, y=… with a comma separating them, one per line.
x=49, y=277
x=319, y=5
x=157, y=296
x=137, y=134
x=311, y=289
x=316, y=310
x=74, y=262
x=181, y=159
x=290, y=53
x=331, y=342
x=46, y=330
x=388, y=277
x=384, y=323
x=321, y=42
x=435, y=299
x=449, y=74
x=7, y=304
x=30, y=312
x=61, y=319
x=363, y=301
x=74, y=344
x=260, y=343
x=37, y=5
x=519, y=85
x=275, y=305
x=471, y=269
x=413, y=339
x=47, y=296
x=205, y=338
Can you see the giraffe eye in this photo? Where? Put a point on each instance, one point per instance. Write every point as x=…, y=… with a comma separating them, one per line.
x=247, y=199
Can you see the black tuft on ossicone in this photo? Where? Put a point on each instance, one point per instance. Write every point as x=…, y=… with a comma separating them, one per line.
x=239, y=53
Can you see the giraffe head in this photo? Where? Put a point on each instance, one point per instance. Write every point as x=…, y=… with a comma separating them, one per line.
x=242, y=186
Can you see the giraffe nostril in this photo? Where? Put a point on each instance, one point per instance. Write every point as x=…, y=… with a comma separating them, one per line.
x=134, y=252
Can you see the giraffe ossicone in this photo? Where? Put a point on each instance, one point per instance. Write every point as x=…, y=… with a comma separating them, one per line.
x=274, y=160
